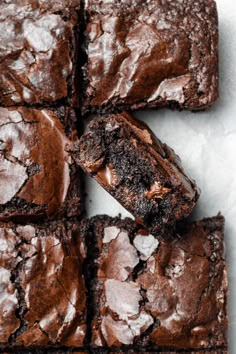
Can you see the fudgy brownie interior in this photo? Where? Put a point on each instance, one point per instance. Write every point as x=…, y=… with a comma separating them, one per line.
x=143, y=174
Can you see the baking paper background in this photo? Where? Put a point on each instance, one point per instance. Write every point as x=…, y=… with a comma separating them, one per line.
x=206, y=143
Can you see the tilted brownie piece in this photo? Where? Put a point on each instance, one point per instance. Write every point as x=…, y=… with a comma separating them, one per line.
x=42, y=289
x=143, y=174
x=160, y=295
x=38, y=50
x=151, y=54
x=37, y=175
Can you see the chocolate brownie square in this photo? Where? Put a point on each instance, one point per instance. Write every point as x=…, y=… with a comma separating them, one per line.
x=143, y=174
x=37, y=175
x=42, y=288
x=220, y=351
x=38, y=51
x=151, y=54
x=62, y=350
x=160, y=295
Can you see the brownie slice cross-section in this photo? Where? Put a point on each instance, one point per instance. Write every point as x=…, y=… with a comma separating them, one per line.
x=38, y=178
x=137, y=169
x=150, y=54
x=158, y=295
x=42, y=288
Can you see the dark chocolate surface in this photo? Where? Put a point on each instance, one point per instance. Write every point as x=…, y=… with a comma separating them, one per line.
x=220, y=351
x=143, y=174
x=151, y=54
x=163, y=295
x=42, y=290
x=37, y=176
x=33, y=36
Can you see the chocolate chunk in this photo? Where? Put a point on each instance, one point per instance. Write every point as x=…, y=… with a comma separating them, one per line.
x=143, y=174
x=174, y=298
x=37, y=176
x=38, y=51
x=155, y=54
x=42, y=290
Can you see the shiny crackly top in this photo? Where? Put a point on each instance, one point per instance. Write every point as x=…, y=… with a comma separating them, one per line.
x=33, y=36
x=152, y=53
x=34, y=166
x=180, y=290
x=50, y=295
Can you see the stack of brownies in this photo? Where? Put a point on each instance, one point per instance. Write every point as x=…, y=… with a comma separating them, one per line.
x=70, y=284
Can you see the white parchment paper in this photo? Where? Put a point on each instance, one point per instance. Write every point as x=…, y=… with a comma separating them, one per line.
x=206, y=143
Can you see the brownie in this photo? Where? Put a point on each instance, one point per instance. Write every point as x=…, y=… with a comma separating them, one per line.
x=160, y=295
x=42, y=289
x=38, y=178
x=62, y=350
x=143, y=174
x=38, y=51
x=150, y=54
x=128, y=352
x=179, y=352
x=220, y=351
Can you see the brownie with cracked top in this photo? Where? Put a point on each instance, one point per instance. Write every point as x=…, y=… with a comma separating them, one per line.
x=38, y=178
x=42, y=288
x=143, y=174
x=61, y=350
x=220, y=351
x=151, y=54
x=33, y=36
x=156, y=294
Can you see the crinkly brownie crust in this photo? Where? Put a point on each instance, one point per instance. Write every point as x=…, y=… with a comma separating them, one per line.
x=38, y=52
x=151, y=54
